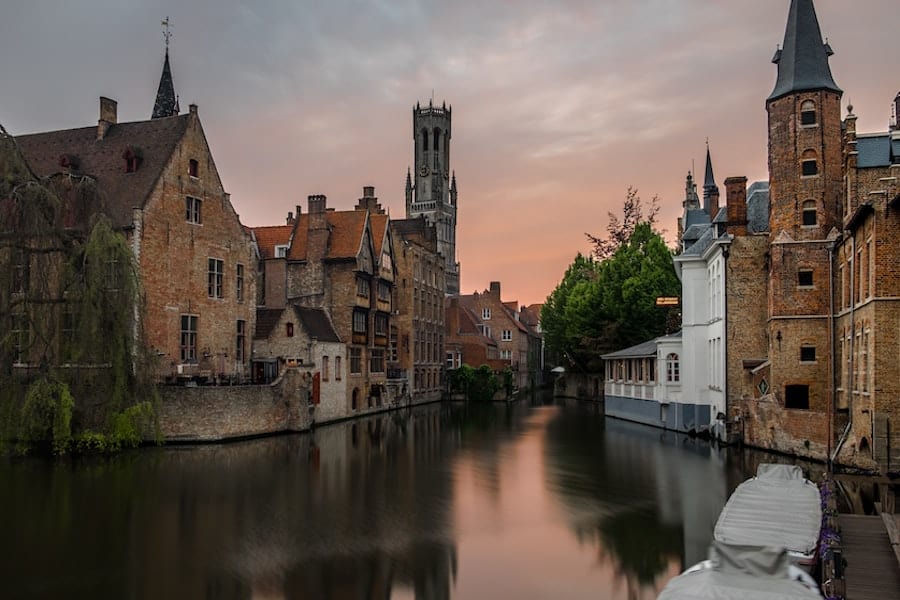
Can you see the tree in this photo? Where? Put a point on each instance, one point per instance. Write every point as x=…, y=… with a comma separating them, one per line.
x=608, y=302
x=72, y=368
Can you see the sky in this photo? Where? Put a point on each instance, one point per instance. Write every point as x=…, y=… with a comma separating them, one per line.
x=558, y=106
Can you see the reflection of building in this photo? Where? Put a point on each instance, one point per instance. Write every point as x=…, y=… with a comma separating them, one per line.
x=433, y=195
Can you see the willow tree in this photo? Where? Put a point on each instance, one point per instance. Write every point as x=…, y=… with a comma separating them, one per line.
x=72, y=368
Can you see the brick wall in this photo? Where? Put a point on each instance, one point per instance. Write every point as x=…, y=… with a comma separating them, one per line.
x=223, y=412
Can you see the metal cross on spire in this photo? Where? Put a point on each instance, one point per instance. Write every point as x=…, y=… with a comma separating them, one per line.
x=167, y=32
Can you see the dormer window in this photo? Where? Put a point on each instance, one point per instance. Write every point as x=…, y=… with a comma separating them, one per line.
x=133, y=157
x=281, y=250
x=193, y=168
x=808, y=113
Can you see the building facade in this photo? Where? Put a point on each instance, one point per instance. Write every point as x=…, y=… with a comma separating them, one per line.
x=434, y=193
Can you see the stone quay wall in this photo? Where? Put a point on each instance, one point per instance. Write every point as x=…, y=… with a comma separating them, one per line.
x=209, y=414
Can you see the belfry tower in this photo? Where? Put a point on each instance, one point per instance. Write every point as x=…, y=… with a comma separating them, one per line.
x=431, y=187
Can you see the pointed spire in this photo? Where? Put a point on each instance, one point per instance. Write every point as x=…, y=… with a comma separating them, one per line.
x=803, y=58
x=691, y=200
x=166, y=102
x=710, y=189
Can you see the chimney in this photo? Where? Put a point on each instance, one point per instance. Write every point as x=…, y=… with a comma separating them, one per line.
x=290, y=218
x=369, y=202
x=108, y=117
x=495, y=289
x=736, y=202
x=298, y=210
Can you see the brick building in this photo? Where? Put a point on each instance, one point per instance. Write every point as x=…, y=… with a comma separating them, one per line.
x=162, y=190
x=516, y=342
x=465, y=342
x=824, y=380
x=417, y=337
x=343, y=263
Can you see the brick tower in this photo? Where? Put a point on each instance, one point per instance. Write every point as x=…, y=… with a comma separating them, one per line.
x=805, y=175
x=433, y=195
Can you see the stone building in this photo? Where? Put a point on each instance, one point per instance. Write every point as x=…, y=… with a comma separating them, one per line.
x=162, y=190
x=417, y=337
x=434, y=193
x=813, y=368
x=341, y=262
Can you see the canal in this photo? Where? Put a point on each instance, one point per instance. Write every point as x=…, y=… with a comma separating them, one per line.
x=529, y=500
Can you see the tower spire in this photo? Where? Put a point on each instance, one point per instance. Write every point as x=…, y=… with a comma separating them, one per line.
x=166, y=104
x=803, y=58
x=710, y=189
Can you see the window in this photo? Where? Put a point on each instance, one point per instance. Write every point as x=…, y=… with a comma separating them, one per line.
x=112, y=275
x=21, y=273
x=132, y=158
x=506, y=354
x=807, y=354
x=240, y=341
x=20, y=333
x=392, y=347
x=377, y=361
x=355, y=361
x=360, y=321
x=362, y=287
x=281, y=251
x=381, y=323
x=289, y=329
x=809, y=165
x=672, y=369
x=506, y=336
x=337, y=368
x=188, y=338
x=485, y=313
x=808, y=113
x=325, y=366
x=239, y=283
x=192, y=210
x=805, y=278
x=808, y=217
x=215, y=277
x=193, y=168
x=384, y=290
x=796, y=396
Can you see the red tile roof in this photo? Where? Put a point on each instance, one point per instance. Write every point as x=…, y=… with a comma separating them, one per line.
x=270, y=236
x=344, y=239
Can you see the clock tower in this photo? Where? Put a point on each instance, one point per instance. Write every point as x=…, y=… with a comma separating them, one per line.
x=431, y=187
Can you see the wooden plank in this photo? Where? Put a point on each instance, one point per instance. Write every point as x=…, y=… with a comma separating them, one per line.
x=893, y=531
x=872, y=571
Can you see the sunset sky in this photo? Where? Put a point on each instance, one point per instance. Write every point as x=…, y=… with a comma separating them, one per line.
x=557, y=106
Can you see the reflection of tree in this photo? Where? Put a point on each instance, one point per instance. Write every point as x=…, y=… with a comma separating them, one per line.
x=641, y=544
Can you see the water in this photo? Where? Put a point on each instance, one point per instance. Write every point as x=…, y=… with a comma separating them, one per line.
x=530, y=500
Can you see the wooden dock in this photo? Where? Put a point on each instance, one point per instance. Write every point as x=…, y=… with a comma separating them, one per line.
x=873, y=570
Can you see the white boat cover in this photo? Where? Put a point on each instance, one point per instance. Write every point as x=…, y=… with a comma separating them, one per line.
x=778, y=507
x=742, y=573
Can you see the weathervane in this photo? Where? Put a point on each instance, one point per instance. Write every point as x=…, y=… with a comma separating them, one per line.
x=168, y=32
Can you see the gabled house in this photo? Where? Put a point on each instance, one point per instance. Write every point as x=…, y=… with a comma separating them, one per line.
x=160, y=187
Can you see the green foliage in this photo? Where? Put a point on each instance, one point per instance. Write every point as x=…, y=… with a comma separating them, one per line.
x=609, y=303
x=71, y=358
x=484, y=385
x=461, y=379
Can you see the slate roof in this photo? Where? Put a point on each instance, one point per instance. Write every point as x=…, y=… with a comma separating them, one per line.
x=102, y=159
x=641, y=350
x=317, y=324
x=877, y=150
x=166, y=104
x=266, y=320
x=803, y=59
x=702, y=243
x=758, y=207
x=695, y=216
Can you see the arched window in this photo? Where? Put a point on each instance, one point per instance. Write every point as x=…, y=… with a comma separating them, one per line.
x=808, y=113
x=437, y=137
x=673, y=374
x=808, y=215
x=809, y=165
x=424, y=140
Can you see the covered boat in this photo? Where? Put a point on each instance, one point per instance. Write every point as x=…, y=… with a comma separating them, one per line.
x=742, y=573
x=779, y=507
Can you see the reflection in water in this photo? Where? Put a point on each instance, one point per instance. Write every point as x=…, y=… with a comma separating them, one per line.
x=442, y=501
